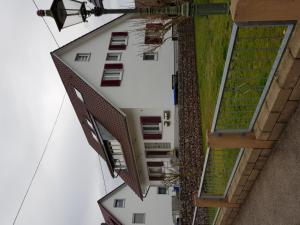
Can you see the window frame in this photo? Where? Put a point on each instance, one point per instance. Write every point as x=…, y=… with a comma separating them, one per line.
x=134, y=218
x=160, y=188
x=109, y=80
x=120, y=44
x=82, y=57
x=119, y=200
x=147, y=54
x=151, y=122
x=113, y=54
x=153, y=34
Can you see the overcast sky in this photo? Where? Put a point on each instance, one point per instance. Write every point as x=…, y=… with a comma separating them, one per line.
x=68, y=182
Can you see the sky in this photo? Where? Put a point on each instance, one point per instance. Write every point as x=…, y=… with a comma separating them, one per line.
x=68, y=182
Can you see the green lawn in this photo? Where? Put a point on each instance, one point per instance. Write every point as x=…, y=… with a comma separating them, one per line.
x=212, y=36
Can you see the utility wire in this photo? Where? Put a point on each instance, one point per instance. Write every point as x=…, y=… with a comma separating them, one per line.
x=39, y=163
x=49, y=137
x=47, y=25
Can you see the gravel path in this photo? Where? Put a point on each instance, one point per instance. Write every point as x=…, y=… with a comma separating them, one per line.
x=275, y=197
x=191, y=152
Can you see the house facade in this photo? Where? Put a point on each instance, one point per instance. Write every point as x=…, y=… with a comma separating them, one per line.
x=122, y=207
x=122, y=94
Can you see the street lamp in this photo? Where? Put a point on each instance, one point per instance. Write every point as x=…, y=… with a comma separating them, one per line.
x=70, y=12
x=66, y=13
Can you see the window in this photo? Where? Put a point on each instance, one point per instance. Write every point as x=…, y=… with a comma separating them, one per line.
x=157, y=145
x=90, y=124
x=112, y=74
x=151, y=127
x=82, y=57
x=118, y=41
x=113, y=56
x=79, y=95
x=153, y=34
x=94, y=136
x=138, y=218
x=119, y=203
x=150, y=56
x=161, y=190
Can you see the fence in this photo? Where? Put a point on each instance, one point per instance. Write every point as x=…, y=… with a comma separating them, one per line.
x=254, y=53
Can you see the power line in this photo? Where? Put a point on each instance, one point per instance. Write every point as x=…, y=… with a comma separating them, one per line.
x=49, y=137
x=47, y=25
x=39, y=163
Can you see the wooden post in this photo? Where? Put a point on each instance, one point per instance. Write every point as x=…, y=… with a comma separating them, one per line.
x=265, y=10
x=235, y=140
x=199, y=202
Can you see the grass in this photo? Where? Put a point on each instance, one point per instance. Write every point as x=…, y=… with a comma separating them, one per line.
x=212, y=36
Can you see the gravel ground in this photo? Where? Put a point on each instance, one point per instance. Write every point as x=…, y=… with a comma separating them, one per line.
x=191, y=152
x=275, y=196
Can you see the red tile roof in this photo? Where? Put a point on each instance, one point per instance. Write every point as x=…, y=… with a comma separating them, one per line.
x=109, y=116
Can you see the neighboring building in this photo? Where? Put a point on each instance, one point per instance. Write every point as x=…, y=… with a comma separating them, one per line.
x=122, y=207
x=123, y=97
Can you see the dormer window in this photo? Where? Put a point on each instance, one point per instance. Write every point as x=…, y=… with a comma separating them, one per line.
x=79, y=95
x=83, y=57
x=118, y=41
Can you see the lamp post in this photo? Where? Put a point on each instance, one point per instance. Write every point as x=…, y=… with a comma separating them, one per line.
x=70, y=12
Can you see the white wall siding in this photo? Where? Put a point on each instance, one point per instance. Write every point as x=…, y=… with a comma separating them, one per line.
x=157, y=207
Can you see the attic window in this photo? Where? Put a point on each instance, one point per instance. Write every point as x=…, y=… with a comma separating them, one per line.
x=83, y=57
x=119, y=203
x=79, y=95
x=118, y=41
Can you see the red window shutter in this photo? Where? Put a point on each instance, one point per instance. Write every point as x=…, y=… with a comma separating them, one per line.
x=155, y=164
x=156, y=178
x=154, y=26
x=117, y=47
x=119, y=34
x=110, y=83
x=152, y=136
x=113, y=66
x=150, y=119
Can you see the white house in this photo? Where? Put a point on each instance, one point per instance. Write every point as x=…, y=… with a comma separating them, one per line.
x=123, y=97
x=123, y=207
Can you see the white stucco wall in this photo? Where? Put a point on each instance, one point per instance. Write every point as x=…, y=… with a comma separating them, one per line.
x=145, y=84
x=135, y=129
x=157, y=207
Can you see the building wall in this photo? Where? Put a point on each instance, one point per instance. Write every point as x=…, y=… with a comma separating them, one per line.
x=145, y=84
x=135, y=130
x=157, y=207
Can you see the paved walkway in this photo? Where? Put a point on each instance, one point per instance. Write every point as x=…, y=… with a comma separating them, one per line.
x=275, y=197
